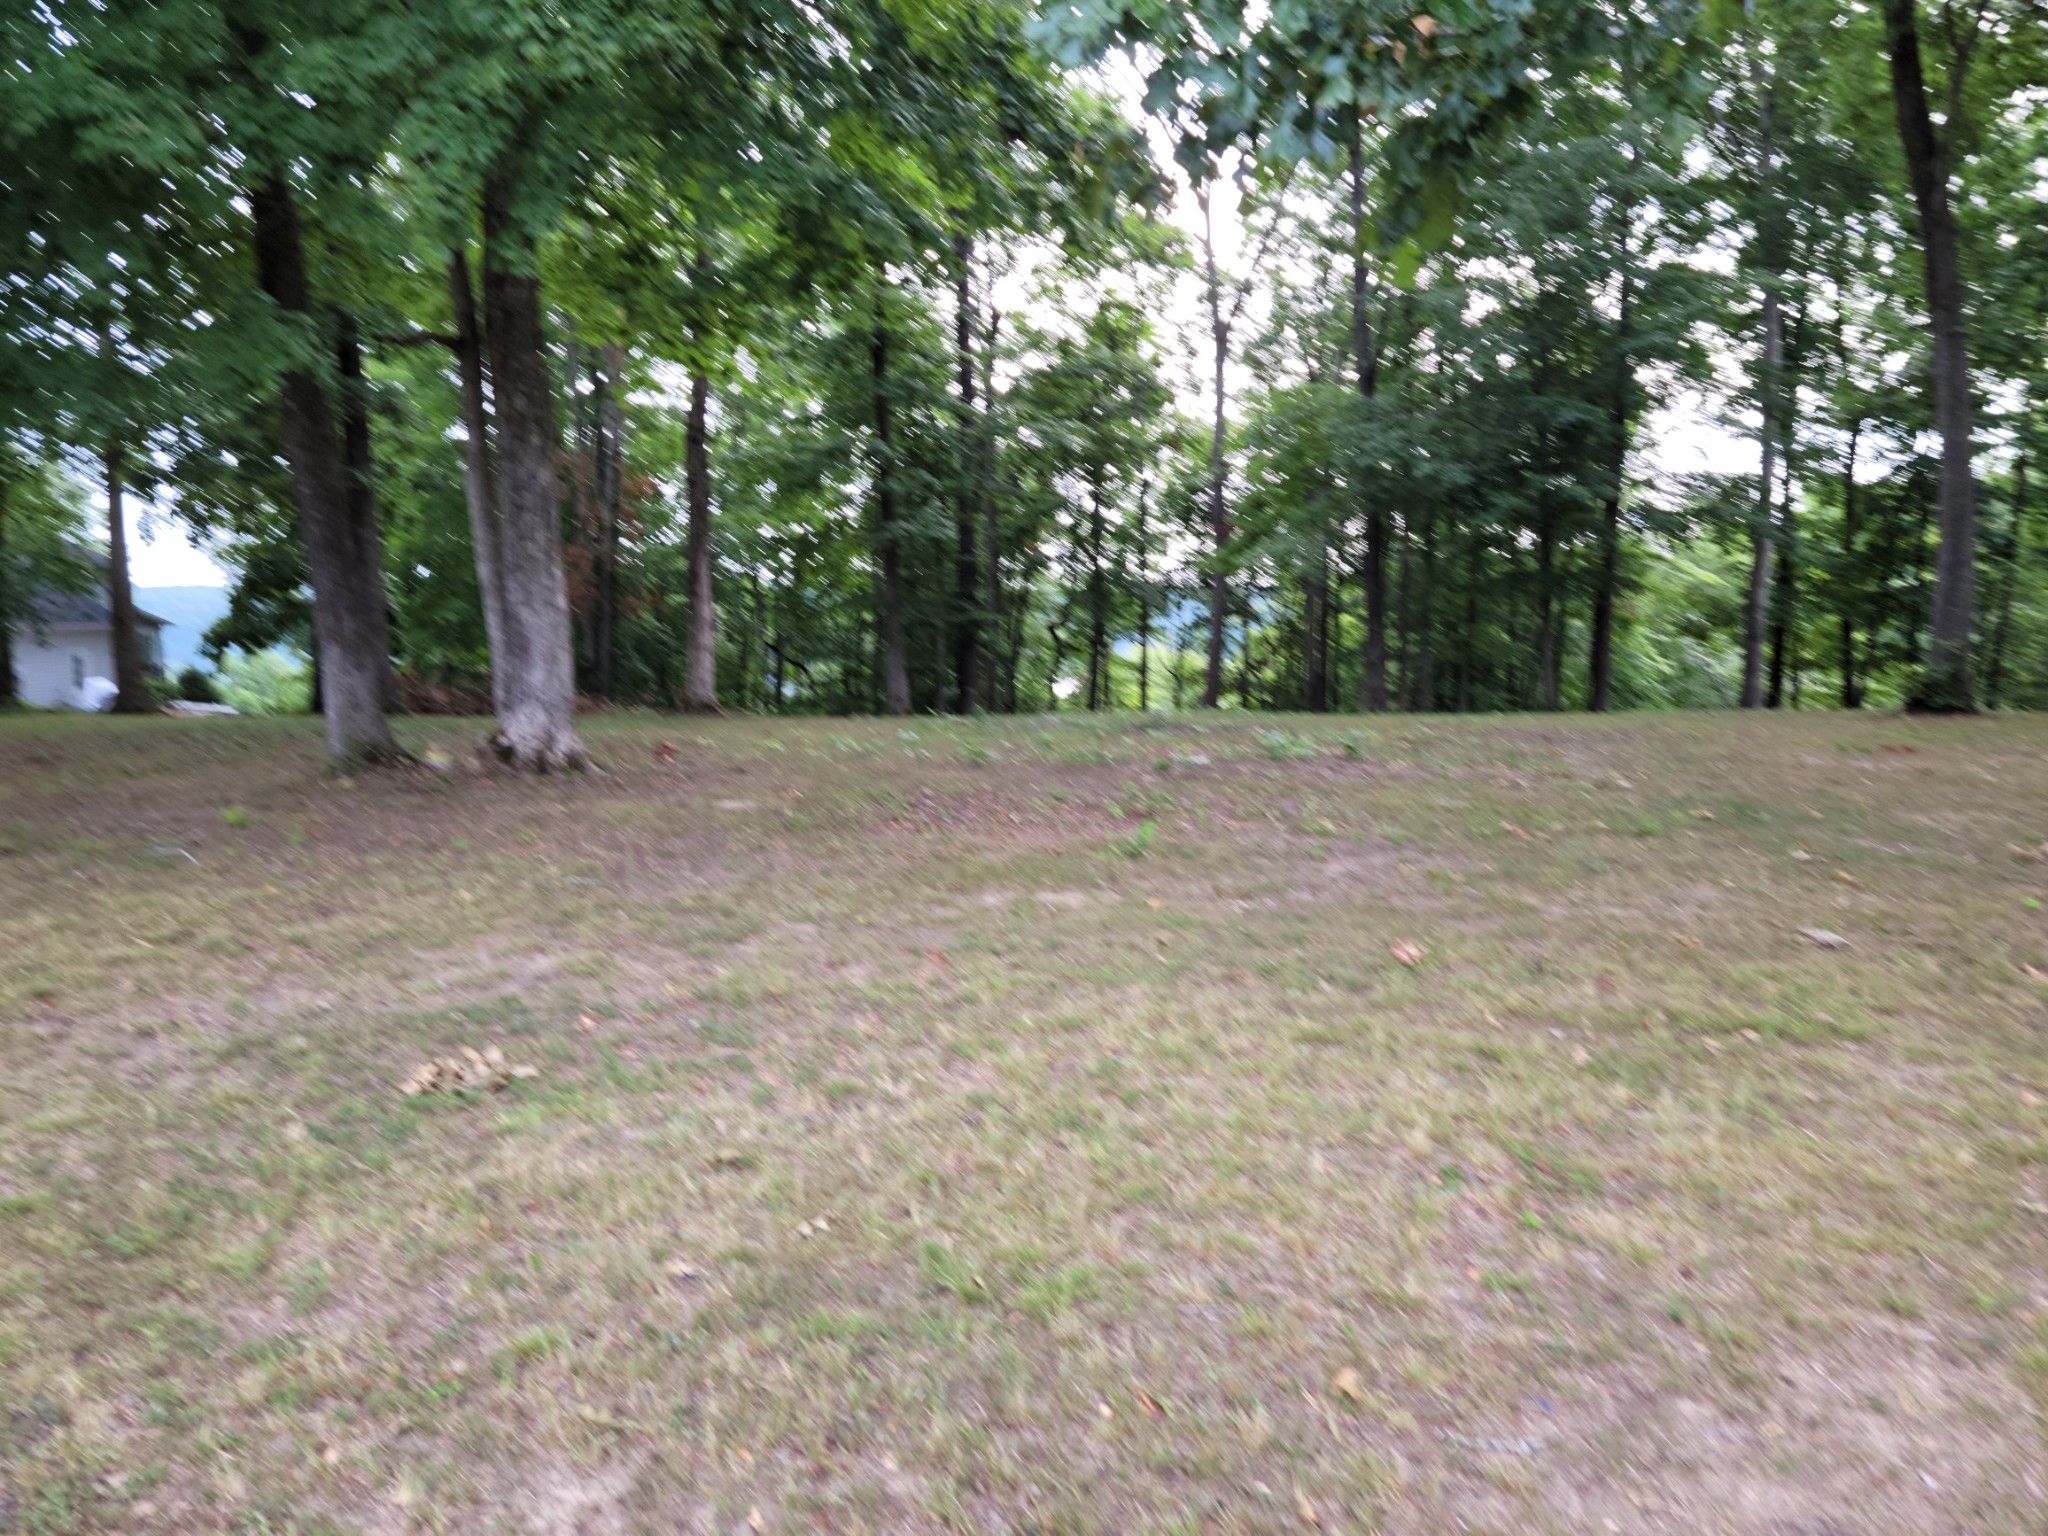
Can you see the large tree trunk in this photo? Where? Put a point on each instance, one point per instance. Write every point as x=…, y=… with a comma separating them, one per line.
x=352, y=636
x=700, y=683
x=1219, y=520
x=1945, y=684
x=1365, y=359
x=479, y=484
x=1607, y=582
x=966, y=561
x=367, y=545
x=536, y=668
x=132, y=695
x=888, y=532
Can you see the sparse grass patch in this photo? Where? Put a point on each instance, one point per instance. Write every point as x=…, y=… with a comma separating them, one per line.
x=965, y=1125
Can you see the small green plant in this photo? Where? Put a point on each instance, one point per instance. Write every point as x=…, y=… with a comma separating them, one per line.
x=1139, y=843
x=235, y=816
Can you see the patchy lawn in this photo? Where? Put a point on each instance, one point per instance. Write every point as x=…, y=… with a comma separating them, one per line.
x=1030, y=1126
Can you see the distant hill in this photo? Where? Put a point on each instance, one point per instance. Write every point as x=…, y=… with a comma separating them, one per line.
x=189, y=612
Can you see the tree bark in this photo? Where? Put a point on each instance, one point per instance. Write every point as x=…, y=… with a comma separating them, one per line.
x=357, y=457
x=611, y=479
x=537, y=667
x=966, y=560
x=1994, y=671
x=1607, y=583
x=1219, y=521
x=132, y=695
x=895, y=665
x=1547, y=626
x=1098, y=601
x=1315, y=636
x=479, y=484
x=10, y=688
x=1944, y=685
x=1366, y=361
x=1144, y=606
x=998, y=692
x=700, y=682
x=1756, y=612
x=352, y=637
x=1852, y=691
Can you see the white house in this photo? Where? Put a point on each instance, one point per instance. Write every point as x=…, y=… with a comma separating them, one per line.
x=69, y=638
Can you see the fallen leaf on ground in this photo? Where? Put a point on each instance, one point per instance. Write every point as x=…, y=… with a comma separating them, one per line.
x=1522, y=832
x=1410, y=955
x=663, y=751
x=1801, y=855
x=1306, y=1510
x=1151, y=1405
x=485, y=1071
x=683, y=1269
x=1846, y=878
x=1348, y=1384
x=2033, y=973
x=1821, y=938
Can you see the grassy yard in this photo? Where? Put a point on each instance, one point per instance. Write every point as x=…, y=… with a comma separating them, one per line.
x=1030, y=1126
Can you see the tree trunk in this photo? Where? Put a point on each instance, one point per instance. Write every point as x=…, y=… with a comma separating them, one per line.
x=1546, y=614
x=1852, y=689
x=1098, y=602
x=1144, y=608
x=1422, y=695
x=895, y=665
x=1994, y=671
x=537, y=668
x=1607, y=583
x=368, y=544
x=132, y=696
x=1756, y=613
x=1469, y=648
x=10, y=688
x=1219, y=521
x=611, y=484
x=352, y=637
x=1366, y=360
x=1315, y=636
x=700, y=682
x=479, y=484
x=998, y=692
x=1945, y=684
x=967, y=661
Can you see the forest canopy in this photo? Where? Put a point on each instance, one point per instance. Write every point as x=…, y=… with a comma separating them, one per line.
x=951, y=355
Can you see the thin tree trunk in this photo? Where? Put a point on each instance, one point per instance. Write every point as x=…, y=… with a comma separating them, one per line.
x=1144, y=608
x=1219, y=521
x=1756, y=613
x=1315, y=636
x=1852, y=689
x=1607, y=583
x=537, y=712
x=1546, y=614
x=967, y=660
x=1944, y=686
x=350, y=626
x=1098, y=602
x=700, y=680
x=1468, y=650
x=895, y=665
x=10, y=687
x=611, y=482
x=1422, y=696
x=1366, y=361
x=132, y=695
x=1994, y=671
x=479, y=485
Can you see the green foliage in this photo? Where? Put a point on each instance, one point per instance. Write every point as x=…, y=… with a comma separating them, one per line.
x=265, y=683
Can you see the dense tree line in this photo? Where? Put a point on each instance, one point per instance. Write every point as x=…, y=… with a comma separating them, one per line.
x=841, y=355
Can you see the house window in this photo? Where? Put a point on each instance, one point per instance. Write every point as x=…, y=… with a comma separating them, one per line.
x=77, y=670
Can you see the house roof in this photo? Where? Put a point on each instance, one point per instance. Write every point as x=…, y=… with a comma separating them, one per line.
x=94, y=607
x=87, y=608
